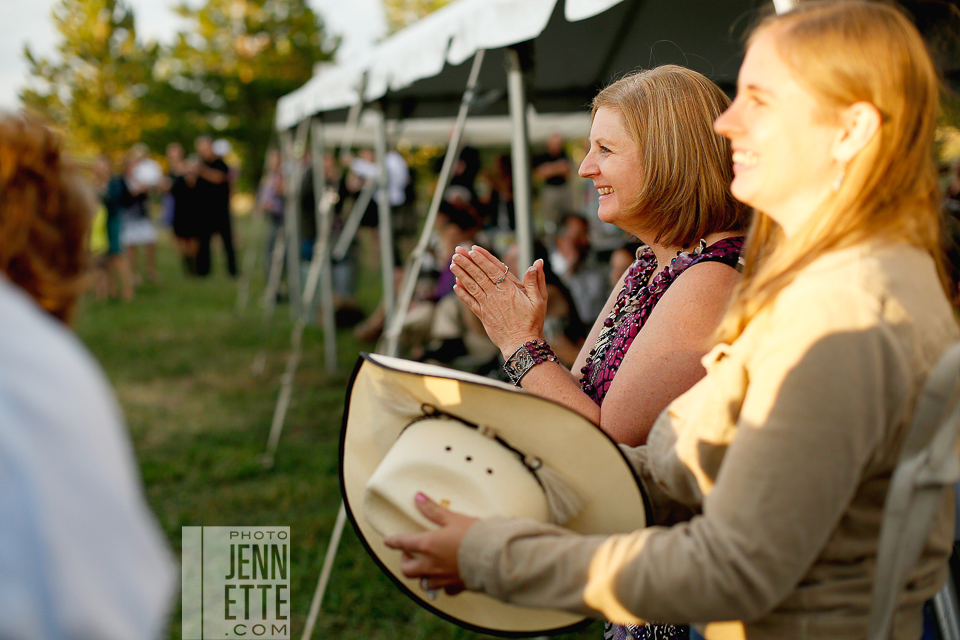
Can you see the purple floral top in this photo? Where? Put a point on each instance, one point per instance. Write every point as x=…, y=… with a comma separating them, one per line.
x=635, y=303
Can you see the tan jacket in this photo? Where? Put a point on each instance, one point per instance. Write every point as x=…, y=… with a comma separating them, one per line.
x=782, y=454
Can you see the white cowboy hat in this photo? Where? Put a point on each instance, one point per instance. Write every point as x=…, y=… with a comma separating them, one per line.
x=483, y=448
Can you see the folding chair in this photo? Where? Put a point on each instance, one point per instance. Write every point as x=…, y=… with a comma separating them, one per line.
x=928, y=465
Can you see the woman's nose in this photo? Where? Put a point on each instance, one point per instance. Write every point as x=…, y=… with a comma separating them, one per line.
x=728, y=121
x=588, y=167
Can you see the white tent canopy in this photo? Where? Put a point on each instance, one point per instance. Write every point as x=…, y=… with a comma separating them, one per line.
x=451, y=35
x=577, y=46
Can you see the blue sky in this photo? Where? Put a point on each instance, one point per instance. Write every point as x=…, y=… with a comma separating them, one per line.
x=361, y=22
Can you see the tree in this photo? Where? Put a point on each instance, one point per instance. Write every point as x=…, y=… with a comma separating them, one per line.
x=231, y=67
x=94, y=90
x=401, y=13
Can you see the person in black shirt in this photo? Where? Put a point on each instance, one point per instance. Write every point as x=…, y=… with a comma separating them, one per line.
x=212, y=193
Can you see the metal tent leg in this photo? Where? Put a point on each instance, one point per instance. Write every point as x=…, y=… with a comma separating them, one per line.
x=394, y=328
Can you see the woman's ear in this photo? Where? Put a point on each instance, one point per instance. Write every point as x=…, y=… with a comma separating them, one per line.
x=858, y=124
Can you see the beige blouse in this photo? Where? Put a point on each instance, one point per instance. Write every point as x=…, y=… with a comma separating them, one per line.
x=772, y=470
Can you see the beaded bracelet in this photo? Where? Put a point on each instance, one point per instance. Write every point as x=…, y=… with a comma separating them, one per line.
x=526, y=357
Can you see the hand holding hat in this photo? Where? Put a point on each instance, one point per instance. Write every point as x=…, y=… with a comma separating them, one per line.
x=432, y=555
x=485, y=449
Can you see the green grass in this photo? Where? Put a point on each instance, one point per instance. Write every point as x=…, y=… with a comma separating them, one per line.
x=179, y=357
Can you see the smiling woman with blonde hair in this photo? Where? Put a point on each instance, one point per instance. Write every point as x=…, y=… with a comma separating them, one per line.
x=782, y=455
x=886, y=190
x=662, y=174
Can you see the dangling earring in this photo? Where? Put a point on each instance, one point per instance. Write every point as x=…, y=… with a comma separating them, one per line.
x=838, y=181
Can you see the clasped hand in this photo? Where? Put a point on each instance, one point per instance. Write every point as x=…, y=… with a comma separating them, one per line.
x=432, y=555
x=512, y=312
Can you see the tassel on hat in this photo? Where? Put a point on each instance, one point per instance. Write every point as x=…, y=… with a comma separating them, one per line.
x=562, y=499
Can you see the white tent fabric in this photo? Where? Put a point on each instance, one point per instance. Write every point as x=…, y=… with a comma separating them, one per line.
x=334, y=87
x=452, y=35
x=448, y=36
x=582, y=9
x=569, y=49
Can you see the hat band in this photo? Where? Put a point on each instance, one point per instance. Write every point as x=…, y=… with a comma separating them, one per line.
x=563, y=501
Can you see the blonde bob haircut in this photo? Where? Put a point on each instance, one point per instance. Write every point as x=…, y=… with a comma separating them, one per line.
x=848, y=51
x=686, y=168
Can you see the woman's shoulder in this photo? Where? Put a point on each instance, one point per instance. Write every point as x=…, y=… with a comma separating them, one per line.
x=724, y=251
x=706, y=284
x=893, y=286
x=707, y=266
x=878, y=271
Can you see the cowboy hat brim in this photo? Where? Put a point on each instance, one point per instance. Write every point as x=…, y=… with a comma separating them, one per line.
x=589, y=460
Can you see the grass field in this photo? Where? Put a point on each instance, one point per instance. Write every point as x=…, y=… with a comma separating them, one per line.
x=179, y=357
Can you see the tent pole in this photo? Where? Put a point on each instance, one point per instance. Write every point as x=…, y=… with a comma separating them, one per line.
x=319, y=179
x=321, y=248
x=520, y=152
x=325, y=571
x=250, y=255
x=353, y=118
x=349, y=231
x=412, y=270
x=360, y=204
x=291, y=217
x=286, y=388
x=385, y=215
x=277, y=251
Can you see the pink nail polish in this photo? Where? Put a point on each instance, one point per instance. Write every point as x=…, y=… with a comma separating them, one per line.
x=420, y=498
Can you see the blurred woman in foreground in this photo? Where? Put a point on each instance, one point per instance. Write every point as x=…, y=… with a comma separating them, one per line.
x=80, y=553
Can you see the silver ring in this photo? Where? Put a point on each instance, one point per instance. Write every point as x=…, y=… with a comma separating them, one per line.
x=503, y=277
x=431, y=593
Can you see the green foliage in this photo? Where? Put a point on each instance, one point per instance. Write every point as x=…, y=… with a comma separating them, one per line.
x=401, y=13
x=94, y=85
x=223, y=75
x=233, y=63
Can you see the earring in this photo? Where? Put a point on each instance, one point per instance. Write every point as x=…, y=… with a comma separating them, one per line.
x=838, y=180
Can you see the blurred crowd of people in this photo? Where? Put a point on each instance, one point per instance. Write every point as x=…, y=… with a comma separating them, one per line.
x=193, y=196
x=578, y=250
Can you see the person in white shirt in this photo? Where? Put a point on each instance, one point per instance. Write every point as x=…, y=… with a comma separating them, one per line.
x=81, y=556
